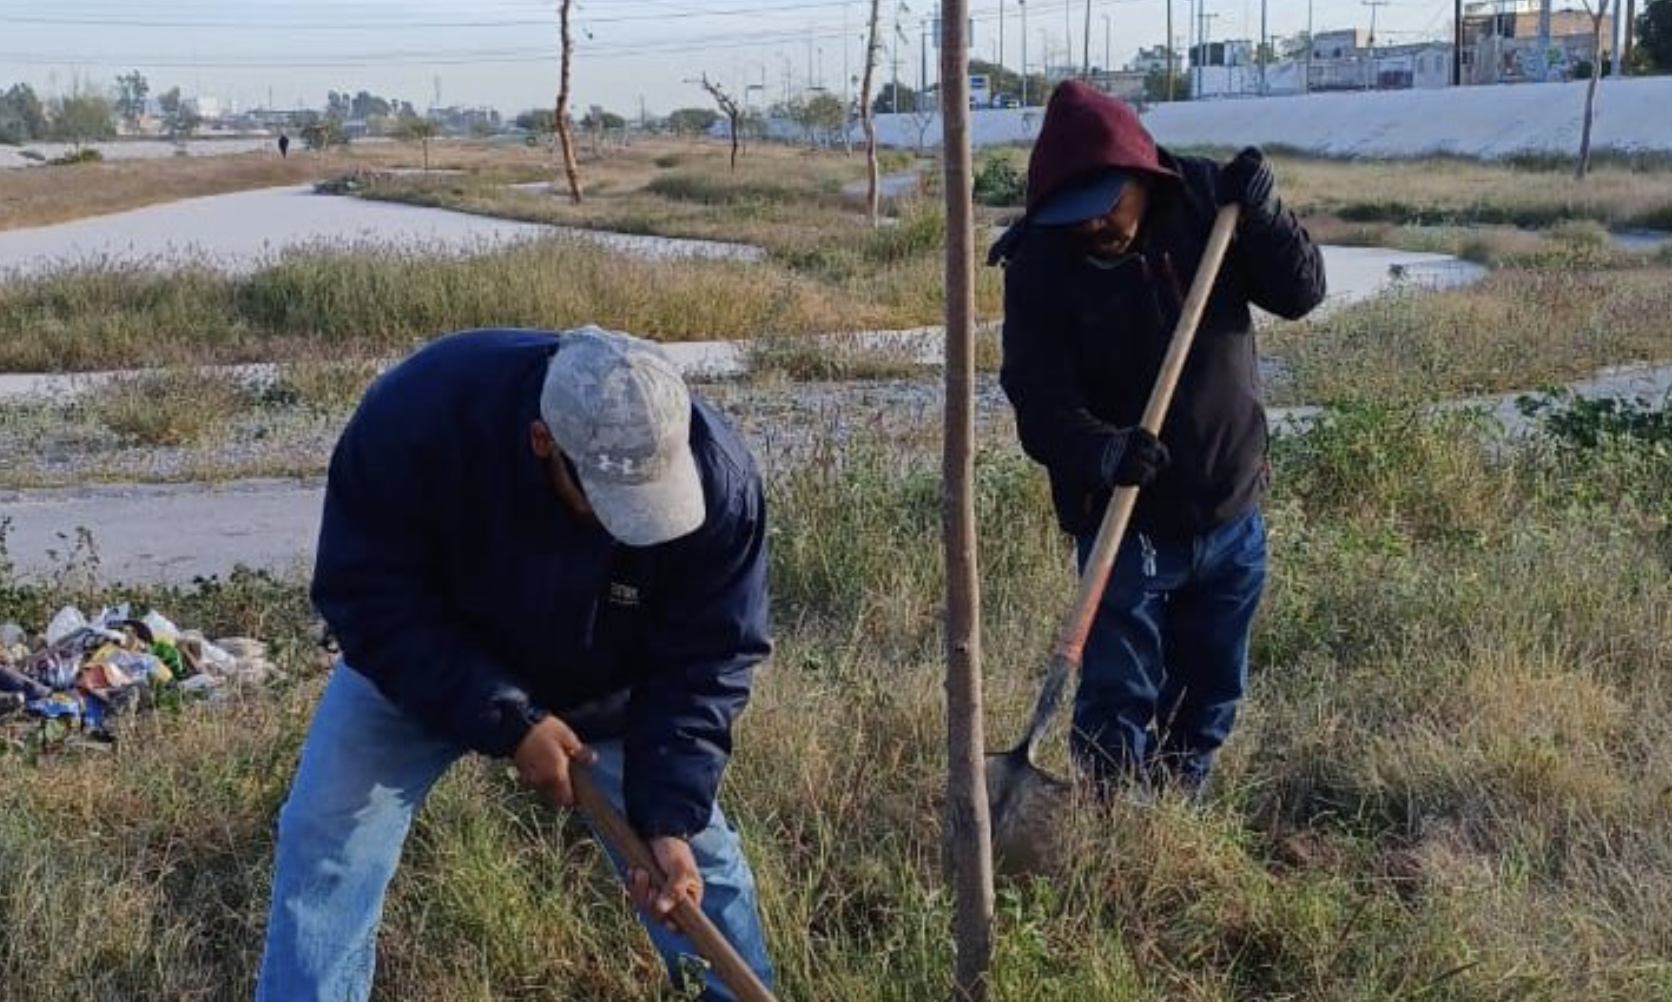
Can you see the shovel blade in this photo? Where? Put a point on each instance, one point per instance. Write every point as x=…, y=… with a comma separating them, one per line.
x=1028, y=809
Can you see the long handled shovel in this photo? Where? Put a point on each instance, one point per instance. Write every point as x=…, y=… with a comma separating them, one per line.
x=1025, y=800
x=692, y=923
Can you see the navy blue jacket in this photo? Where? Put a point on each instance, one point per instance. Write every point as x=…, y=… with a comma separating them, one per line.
x=454, y=578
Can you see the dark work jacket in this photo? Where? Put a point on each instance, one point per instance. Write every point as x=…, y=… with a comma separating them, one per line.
x=455, y=579
x=1083, y=345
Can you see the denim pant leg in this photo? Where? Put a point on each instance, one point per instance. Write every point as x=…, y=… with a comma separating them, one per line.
x=366, y=768
x=1208, y=627
x=1121, y=673
x=728, y=886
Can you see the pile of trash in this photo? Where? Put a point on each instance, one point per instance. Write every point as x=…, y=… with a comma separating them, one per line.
x=80, y=673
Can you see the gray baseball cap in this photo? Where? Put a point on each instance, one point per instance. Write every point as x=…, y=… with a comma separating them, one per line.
x=620, y=411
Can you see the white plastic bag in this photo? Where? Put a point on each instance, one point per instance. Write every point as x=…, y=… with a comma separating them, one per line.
x=161, y=627
x=68, y=620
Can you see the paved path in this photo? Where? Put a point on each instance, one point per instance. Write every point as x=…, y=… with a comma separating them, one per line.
x=167, y=532
x=889, y=186
x=239, y=232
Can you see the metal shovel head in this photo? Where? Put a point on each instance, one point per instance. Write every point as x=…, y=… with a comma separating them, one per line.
x=1029, y=809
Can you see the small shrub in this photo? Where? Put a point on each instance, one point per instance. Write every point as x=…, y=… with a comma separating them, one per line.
x=999, y=183
x=812, y=358
x=342, y=184
x=324, y=386
x=710, y=189
x=1587, y=423
x=85, y=155
x=920, y=229
x=170, y=407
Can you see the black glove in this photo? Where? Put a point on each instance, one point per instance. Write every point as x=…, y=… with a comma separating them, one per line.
x=1133, y=458
x=1248, y=181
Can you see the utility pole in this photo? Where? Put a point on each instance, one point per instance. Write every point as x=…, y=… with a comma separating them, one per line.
x=1171, y=55
x=1456, y=42
x=922, y=62
x=1541, y=61
x=845, y=97
x=1312, y=46
x=1024, y=5
x=1372, y=82
x=1202, y=47
x=1108, y=59
x=1626, y=49
x=894, y=89
x=1192, y=57
x=1263, y=43
x=1067, y=36
x=938, y=28
x=1085, y=45
x=1614, y=42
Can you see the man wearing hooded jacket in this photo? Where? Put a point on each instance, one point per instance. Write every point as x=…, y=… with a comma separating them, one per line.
x=1095, y=280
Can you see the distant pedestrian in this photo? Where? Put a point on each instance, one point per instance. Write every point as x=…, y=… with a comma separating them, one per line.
x=284, y=145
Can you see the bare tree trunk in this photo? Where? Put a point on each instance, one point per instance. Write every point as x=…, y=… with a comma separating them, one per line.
x=873, y=195
x=731, y=109
x=1597, y=17
x=968, y=846
x=565, y=135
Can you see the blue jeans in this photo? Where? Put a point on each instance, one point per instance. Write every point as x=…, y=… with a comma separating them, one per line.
x=1167, y=659
x=366, y=769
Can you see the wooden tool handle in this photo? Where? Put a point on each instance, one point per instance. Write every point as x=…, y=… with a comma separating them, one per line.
x=692, y=923
x=1071, y=642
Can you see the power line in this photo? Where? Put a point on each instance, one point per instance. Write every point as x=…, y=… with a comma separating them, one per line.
x=126, y=20
x=465, y=55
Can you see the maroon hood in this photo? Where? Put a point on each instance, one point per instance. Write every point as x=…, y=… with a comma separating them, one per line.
x=1086, y=131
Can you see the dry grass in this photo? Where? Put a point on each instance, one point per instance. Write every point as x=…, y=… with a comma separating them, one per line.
x=1449, y=191
x=39, y=196
x=377, y=302
x=1516, y=330
x=800, y=359
x=1449, y=783
x=1572, y=245
x=780, y=197
x=325, y=385
x=170, y=406
x=827, y=270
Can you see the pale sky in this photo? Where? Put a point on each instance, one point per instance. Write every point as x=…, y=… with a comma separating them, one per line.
x=504, y=52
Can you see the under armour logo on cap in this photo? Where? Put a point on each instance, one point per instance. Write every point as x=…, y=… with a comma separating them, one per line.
x=619, y=410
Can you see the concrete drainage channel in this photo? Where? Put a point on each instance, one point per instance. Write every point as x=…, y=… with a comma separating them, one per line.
x=175, y=532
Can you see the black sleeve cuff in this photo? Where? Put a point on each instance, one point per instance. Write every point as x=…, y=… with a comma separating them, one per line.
x=506, y=722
